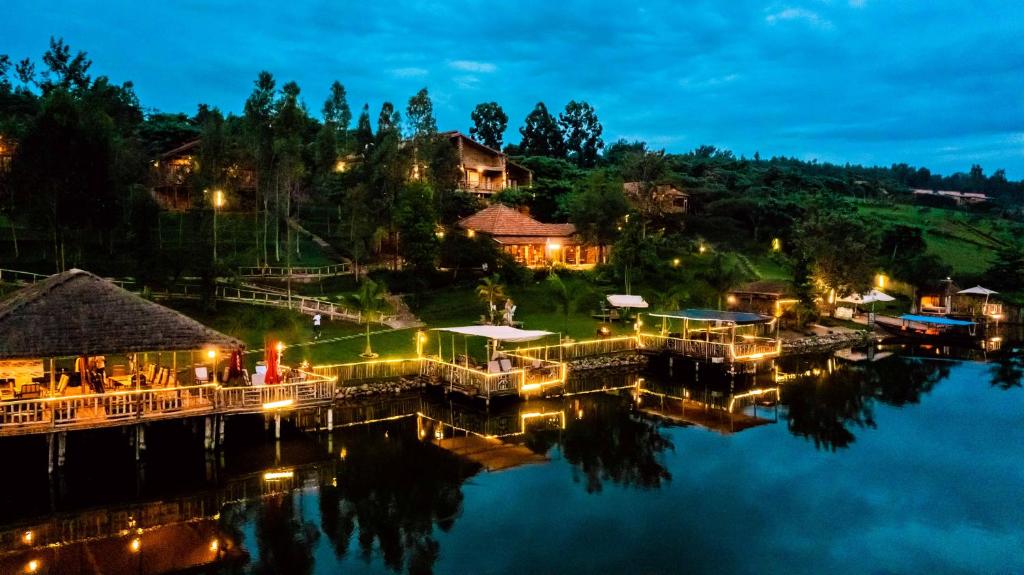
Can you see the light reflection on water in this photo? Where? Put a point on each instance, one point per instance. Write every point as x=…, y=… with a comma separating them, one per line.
x=850, y=464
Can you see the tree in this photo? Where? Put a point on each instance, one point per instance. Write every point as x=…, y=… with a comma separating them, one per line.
x=838, y=247
x=289, y=129
x=364, y=131
x=597, y=207
x=645, y=168
x=582, y=133
x=259, y=118
x=541, y=134
x=388, y=120
x=489, y=124
x=419, y=116
x=490, y=290
x=722, y=275
x=1007, y=273
x=369, y=300
x=635, y=255
x=418, y=243
x=336, y=112
x=64, y=71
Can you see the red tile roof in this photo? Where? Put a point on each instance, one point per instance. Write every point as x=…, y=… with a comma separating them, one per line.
x=500, y=220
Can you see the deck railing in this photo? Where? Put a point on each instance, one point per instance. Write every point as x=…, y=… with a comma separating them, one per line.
x=61, y=413
x=749, y=349
x=570, y=351
x=16, y=276
x=474, y=381
x=302, y=271
x=355, y=373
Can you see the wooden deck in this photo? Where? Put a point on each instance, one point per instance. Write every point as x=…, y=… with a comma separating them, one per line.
x=749, y=350
x=100, y=410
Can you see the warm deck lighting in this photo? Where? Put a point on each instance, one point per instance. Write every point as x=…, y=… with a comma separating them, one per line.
x=218, y=199
x=279, y=347
x=27, y=537
x=214, y=545
x=135, y=545
x=211, y=354
x=278, y=475
x=32, y=566
x=278, y=404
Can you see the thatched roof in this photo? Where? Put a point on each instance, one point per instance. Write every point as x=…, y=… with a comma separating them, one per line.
x=76, y=313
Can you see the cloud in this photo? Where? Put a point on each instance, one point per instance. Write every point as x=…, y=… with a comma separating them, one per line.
x=798, y=14
x=473, y=66
x=409, y=72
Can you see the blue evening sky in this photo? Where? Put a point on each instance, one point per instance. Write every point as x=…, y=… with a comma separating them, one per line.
x=938, y=83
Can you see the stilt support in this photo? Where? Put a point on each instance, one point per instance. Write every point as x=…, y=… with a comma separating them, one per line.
x=330, y=419
x=277, y=426
x=62, y=440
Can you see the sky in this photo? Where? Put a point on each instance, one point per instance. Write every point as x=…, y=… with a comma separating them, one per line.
x=937, y=83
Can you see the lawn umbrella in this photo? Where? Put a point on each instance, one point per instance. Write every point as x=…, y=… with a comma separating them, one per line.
x=272, y=356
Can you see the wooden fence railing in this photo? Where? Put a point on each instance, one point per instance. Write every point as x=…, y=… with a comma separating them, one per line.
x=62, y=413
x=16, y=276
x=303, y=271
x=710, y=350
x=355, y=373
x=570, y=351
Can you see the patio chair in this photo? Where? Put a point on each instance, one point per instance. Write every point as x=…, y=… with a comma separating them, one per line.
x=62, y=383
x=30, y=391
x=202, y=374
x=494, y=366
x=505, y=363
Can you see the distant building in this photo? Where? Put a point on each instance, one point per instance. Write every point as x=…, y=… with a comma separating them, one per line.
x=486, y=171
x=961, y=198
x=7, y=147
x=172, y=171
x=662, y=198
x=530, y=242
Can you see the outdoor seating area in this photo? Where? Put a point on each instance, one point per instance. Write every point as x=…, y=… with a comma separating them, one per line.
x=711, y=335
x=500, y=372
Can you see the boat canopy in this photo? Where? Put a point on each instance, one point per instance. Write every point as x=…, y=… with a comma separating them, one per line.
x=933, y=320
x=735, y=317
x=497, y=332
x=618, y=300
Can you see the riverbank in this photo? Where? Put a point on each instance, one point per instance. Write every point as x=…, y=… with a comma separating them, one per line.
x=827, y=342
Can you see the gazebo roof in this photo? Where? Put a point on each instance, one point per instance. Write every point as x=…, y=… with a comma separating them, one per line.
x=76, y=313
x=708, y=315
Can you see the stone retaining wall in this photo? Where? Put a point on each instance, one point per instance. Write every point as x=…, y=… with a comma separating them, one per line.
x=823, y=343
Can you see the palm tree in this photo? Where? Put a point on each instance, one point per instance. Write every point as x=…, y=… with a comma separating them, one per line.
x=490, y=291
x=370, y=301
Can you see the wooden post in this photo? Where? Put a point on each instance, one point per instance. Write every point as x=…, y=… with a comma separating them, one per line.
x=208, y=433
x=330, y=419
x=61, y=447
x=220, y=429
x=49, y=452
x=277, y=425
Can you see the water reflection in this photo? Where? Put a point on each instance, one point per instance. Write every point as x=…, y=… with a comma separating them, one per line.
x=392, y=487
x=415, y=479
x=827, y=398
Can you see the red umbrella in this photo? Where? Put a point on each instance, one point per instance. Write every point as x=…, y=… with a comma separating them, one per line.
x=272, y=356
x=235, y=365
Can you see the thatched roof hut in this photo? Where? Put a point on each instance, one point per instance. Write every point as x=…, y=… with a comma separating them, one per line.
x=76, y=313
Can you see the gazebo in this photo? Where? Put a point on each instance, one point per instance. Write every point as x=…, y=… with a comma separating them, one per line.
x=49, y=330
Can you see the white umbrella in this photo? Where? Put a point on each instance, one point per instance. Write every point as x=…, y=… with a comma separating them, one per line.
x=978, y=290
x=871, y=297
x=618, y=300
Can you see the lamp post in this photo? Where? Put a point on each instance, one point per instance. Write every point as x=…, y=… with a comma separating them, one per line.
x=218, y=202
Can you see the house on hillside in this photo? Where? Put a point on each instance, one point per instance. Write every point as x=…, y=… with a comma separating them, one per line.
x=171, y=173
x=486, y=171
x=530, y=242
x=960, y=198
x=663, y=199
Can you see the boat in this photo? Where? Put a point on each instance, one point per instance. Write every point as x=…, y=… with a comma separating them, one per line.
x=932, y=329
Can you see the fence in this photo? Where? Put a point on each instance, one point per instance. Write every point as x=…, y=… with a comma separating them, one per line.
x=15, y=276
x=709, y=350
x=123, y=407
x=353, y=373
x=580, y=349
x=304, y=272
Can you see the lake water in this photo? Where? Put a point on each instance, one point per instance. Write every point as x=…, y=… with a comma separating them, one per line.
x=898, y=465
